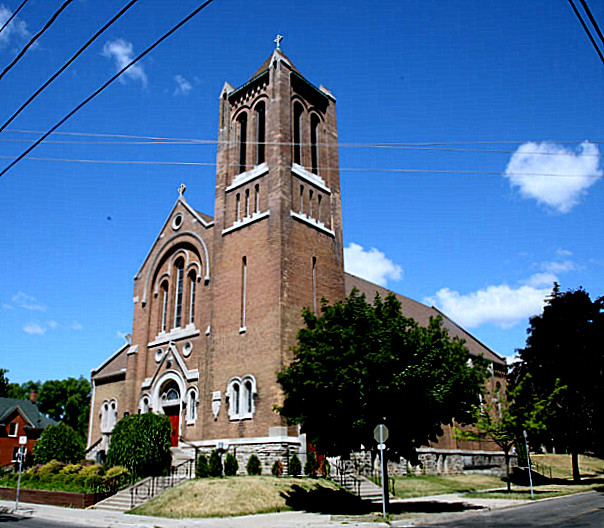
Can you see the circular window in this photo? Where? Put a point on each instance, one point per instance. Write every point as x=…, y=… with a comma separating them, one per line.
x=159, y=355
x=177, y=221
x=187, y=349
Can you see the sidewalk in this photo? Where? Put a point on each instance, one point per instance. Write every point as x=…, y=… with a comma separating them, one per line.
x=421, y=510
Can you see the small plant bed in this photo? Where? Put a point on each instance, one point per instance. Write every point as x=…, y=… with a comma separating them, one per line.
x=425, y=485
x=231, y=496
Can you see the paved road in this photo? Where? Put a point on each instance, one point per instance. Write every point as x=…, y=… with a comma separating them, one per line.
x=585, y=510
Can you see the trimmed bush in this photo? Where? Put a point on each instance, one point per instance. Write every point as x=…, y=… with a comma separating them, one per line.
x=295, y=466
x=116, y=477
x=215, y=464
x=141, y=444
x=311, y=466
x=253, y=466
x=58, y=442
x=202, y=469
x=277, y=469
x=230, y=465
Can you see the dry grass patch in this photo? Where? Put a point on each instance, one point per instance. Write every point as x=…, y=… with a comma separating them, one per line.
x=425, y=485
x=540, y=492
x=560, y=466
x=223, y=497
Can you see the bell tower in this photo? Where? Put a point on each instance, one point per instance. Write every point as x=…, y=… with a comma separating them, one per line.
x=278, y=229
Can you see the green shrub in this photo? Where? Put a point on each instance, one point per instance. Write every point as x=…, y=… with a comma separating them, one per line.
x=58, y=442
x=202, y=470
x=215, y=464
x=89, y=470
x=277, y=469
x=230, y=465
x=253, y=466
x=116, y=477
x=311, y=466
x=294, y=466
x=93, y=482
x=50, y=468
x=141, y=443
x=71, y=469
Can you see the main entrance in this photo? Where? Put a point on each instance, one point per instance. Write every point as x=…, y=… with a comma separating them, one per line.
x=170, y=401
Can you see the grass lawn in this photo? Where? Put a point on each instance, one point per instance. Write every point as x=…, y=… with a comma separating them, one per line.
x=222, y=497
x=424, y=485
x=560, y=466
x=540, y=492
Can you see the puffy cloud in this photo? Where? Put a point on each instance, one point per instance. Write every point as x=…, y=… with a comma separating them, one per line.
x=34, y=329
x=17, y=29
x=559, y=266
x=372, y=265
x=122, y=53
x=500, y=305
x=75, y=326
x=183, y=86
x=561, y=252
x=22, y=300
x=52, y=324
x=553, y=175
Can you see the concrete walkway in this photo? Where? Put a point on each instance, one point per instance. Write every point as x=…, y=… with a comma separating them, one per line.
x=423, y=510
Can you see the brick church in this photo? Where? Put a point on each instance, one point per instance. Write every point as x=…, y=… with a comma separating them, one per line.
x=217, y=300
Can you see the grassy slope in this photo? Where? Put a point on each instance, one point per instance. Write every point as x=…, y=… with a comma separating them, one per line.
x=229, y=496
x=561, y=466
x=424, y=485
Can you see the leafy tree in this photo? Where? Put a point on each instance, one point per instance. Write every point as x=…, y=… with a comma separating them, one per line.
x=202, y=469
x=564, y=348
x=277, y=468
x=295, y=466
x=253, y=466
x=215, y=465
x=58, y=442
x=230, y=465
x=3, y=383
x=357, y=365
x=141, y=443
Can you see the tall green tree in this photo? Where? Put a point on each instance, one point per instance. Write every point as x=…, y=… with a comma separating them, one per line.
x=3, y=383
x=564, y=348
x=357, y=365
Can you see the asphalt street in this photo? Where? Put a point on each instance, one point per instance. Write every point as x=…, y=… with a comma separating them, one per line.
x=584, y=510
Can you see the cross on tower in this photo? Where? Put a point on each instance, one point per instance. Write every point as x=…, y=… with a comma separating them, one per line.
x=181, y=189
x=278, y=40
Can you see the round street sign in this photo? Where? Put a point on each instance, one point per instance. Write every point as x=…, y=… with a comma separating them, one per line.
x=380, y=433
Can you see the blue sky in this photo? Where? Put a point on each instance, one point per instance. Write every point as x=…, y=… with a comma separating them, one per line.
x=512, y=89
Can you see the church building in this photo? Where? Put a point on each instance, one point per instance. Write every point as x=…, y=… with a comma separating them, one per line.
x=218, y=300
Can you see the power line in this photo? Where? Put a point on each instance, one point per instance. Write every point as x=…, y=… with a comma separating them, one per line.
x=67, y=64
x=586, y=29
x=111, y=80
x=325, y=169
x=35, y=37
x=594, y=23
x=10, y=18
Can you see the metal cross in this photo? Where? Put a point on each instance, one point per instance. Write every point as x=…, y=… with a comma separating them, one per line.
x=278, y=40
x=181, y=189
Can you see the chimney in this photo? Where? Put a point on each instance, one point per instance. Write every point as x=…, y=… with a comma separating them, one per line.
x=33, y=396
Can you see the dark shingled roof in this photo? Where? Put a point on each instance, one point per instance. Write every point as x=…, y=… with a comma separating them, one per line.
x=421, y=314
x=31, y=412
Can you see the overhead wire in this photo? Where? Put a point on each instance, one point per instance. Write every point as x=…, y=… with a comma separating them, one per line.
x=10, y=18
x=594, y=22
x=35, y=37
x=586, y=29
x=106, y=84
x=68, y=63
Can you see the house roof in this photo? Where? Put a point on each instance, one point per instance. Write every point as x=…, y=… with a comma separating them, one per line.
x=27, y=409
x=421, y=314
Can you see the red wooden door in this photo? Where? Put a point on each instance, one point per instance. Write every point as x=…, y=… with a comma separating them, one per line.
x=173, y=414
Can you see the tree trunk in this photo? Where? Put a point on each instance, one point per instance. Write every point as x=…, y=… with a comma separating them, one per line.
x=507, y=469
x=576, y=471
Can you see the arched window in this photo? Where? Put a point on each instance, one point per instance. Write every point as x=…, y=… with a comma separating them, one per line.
x=164, y=306
x=301, y=199
x=238, y=207
x=108, y=416
x=314, y=138
x=243, y=293
x=180, y=270
x=242, y=123
x=236, y=398
x=310, y=193
x=260, y=132
x=319, y=199
x=144, y=405
x=241, y=394
x=248, y=397
x=192, y=284
x=247, y=203
x=297, y=133
x=192, y=405
x=257, y=198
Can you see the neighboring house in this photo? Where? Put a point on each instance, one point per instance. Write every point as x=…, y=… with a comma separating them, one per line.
x=217, y=300
x=19, y=418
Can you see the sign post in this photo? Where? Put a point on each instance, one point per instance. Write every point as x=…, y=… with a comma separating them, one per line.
x=20, y=456
x=528, y=461
x=380, y=433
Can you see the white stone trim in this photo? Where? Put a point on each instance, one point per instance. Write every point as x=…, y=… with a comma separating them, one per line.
x=251, y=440
x=310, y=177
x=189, y=374
x=238, y=224
x=110, y=358
x=312, y=222
x=176, y=334
x=458, y=451
x=248, y=176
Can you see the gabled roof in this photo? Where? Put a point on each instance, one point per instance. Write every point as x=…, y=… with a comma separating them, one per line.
x=27, y=409
x=116, y=364
x=421, y=314
x=266, y=64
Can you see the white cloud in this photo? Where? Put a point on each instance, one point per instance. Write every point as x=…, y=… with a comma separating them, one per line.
x=183, y=86
x=7, y=307
x=17, y=29
x=76, y=326
x=559, y=266
x=573, y=173
x=561, y=252
x=122, y=53
x=52, y=324
x=500, y=305
x=34, y=329
x=22, y=300
x=372, y=265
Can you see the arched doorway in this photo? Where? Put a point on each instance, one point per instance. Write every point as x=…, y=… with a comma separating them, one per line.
x=170, y=401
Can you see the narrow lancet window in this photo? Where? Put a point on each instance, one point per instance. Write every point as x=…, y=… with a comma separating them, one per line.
x=192, y=298
x=260, y=133
x=180, y=268
x=247, y=202
x=238, y=207
x=319, y=199
x=301, y=199
x=242, y=120
x=164, y=306
x=297, y=135
x=257, y=198
x=314, y=284
x=310, y=193
x=314, y=148
x=243, y=290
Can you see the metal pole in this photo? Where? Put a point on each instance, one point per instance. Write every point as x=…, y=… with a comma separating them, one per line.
x=381, y=446
x=20, y=455
x=528, y=459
